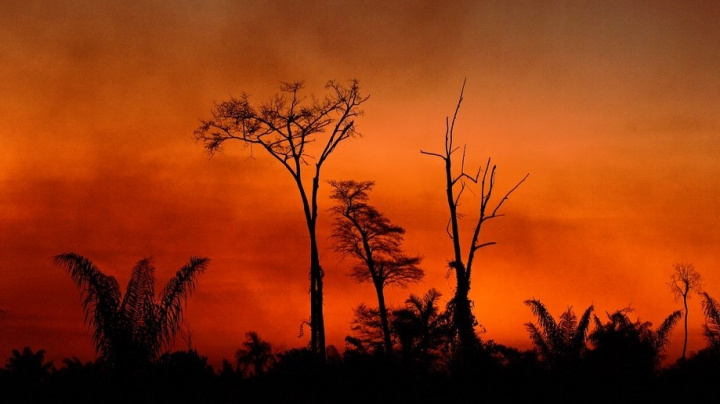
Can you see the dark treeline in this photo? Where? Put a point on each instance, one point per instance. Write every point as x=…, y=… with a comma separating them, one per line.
x=419, y=351
x=594, y=358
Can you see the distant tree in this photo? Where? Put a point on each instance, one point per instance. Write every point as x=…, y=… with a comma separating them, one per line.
x=131, y=330
x=456, y=183
x=629, y=349
x=26, y=372
x=558, y=343
x=683, y=280
x=76, y=365
x=285, y=127
x=255, y=357
x=28, y=364
x=423, y=330
x=363, y=232
x=711, y=309
x=368, y=334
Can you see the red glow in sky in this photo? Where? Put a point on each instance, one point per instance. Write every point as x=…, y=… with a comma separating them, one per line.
x=613, y=109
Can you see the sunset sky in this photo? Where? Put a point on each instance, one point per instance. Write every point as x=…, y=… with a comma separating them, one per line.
x=613, y=108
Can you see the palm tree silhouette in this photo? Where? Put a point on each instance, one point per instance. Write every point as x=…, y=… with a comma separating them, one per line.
x=421, y=328
x=626, y=348
x=24, y=375
x=28, y=364
x=561, y=342
x=130, y=330
x=256, y=355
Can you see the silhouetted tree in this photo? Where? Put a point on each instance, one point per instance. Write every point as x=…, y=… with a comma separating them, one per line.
x=75, y=365
x=562, y=342
x=29, y=365
x=130, y=330
x=463, y=318
x=26, y=371
x=255, y=357
x=285, y=127
x=626, y=349
x=363, y=232
x=711, y=309
x=368, y=333
x=423, y=330
x=683, y=280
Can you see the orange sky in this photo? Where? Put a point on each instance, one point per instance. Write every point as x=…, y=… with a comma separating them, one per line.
x=613, y=109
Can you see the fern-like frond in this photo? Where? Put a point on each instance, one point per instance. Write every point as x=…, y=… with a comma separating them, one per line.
x=140, y=293
x=566, y=328
x=175, y=293
x=581, y=332
x=662, y=335
x=100, y=296
x=711, y=309
x=538, y=340
x=546, y=322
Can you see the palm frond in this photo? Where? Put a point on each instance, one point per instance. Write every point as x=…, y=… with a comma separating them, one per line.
x=174, y=294
x=545, y=320
x=429, y=309
x=567, y=326
x=100, y=295
x=140, y=291
x=711, y=309
x=581, y=331
x=662, y=335
x=256, y=354
x=538, y=340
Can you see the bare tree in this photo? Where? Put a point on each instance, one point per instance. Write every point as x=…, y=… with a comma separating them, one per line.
x=456, y=183
x=285, y=127
x=682, y=281
x=363, y=232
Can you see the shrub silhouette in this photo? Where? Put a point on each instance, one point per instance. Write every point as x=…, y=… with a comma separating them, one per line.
x=629, y=350
x=560, y=343
x=424, y=332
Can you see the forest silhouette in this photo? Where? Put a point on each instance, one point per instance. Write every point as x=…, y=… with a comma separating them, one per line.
x=416, y=351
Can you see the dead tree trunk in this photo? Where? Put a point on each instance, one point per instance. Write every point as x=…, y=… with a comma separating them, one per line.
x=463, y=318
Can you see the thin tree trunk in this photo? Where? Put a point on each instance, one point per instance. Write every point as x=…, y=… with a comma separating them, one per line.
x=462, y=316
x=317, y=323
x=384, y=318
x=686, y=325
